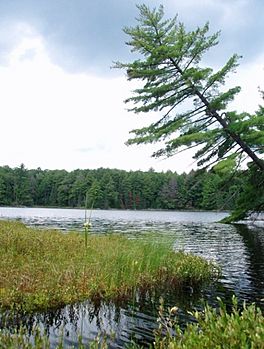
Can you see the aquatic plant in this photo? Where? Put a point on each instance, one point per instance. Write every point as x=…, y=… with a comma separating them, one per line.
x=214, y=328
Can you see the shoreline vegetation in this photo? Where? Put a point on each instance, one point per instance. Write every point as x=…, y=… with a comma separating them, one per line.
x=118, y=209
x=106, y=188
x=47, y=269
x=44, y=269
x=119, y=189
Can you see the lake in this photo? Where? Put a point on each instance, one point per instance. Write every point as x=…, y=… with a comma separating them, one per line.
x=238, y=249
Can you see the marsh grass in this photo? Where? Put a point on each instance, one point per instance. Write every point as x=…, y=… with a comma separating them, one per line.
x=44, y=269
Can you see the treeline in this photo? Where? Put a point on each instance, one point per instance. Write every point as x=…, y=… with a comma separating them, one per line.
x=112, y=188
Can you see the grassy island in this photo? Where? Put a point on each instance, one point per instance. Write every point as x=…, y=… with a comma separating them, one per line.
x=43, y=269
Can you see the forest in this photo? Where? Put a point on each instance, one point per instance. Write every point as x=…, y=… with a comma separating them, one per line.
x=119, y=189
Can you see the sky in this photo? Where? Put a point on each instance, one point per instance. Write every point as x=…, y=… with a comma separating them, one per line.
x=61, y=104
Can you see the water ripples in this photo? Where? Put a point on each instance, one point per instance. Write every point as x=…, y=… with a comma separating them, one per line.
x=238, y=249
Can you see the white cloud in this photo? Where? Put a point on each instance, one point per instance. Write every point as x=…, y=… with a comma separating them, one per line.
x=250, y=77
x=54, y=119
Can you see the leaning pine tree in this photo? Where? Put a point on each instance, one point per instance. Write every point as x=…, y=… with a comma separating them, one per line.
x=172, y=75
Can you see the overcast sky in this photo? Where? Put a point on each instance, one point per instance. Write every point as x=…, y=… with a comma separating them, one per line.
x=61, y=105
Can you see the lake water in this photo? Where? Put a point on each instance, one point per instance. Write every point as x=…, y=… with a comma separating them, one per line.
x=238, y=249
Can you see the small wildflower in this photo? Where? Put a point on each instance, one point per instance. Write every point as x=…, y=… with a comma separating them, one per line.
x=87, y=225
x=174, y=310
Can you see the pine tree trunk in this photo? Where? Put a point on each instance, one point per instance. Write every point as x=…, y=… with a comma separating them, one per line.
x=259, y=162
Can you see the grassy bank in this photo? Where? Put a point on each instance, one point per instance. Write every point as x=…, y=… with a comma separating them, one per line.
x=42, y=269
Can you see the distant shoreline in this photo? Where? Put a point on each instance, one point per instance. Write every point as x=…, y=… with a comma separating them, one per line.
x=120, y=209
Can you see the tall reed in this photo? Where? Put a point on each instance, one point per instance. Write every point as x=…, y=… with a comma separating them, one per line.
x=87, y=222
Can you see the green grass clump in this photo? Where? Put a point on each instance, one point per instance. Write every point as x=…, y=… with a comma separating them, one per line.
x=43, y=269
x=238, y=329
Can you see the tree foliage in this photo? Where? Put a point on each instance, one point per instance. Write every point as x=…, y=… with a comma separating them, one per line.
x=189, y=97
x=112, y=188
x=251, y=198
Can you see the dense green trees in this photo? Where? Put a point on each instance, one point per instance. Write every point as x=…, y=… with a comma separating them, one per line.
x=112, y=188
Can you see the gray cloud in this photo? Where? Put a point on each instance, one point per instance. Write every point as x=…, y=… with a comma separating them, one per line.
x=83, y=35
x=80, y=34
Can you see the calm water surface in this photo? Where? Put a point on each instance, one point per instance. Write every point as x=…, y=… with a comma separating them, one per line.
x=238, y=249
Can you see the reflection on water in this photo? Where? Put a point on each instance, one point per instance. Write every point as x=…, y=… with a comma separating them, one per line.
x=238, y=249
x=119, y=323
